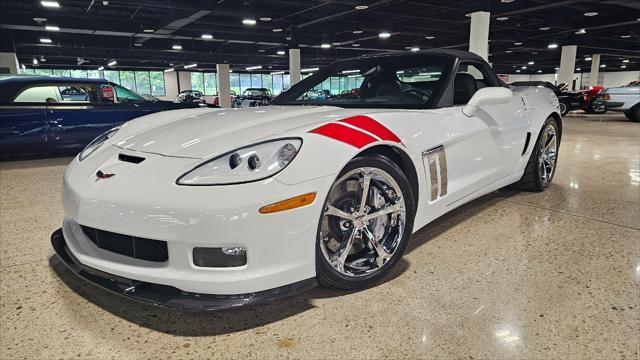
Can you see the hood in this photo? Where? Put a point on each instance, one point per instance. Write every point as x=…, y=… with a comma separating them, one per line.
x=204, y=133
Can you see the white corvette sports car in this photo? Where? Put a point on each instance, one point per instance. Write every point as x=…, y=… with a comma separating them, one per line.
x=207, y=209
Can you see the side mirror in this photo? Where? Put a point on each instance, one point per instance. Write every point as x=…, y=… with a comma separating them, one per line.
x=487, y=96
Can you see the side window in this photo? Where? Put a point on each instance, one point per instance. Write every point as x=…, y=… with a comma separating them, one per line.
x=123, y=94
x=468, y=80
x=75, y=93
x=39, y=94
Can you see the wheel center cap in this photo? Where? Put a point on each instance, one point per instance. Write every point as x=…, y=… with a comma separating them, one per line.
x=360, y=221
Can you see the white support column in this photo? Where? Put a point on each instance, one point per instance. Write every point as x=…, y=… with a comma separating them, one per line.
x=184, y=80
x=9, y=62
x=224, y=85
x=479, y=34
x=294, y=66
x=567, y=65
x=595, y=70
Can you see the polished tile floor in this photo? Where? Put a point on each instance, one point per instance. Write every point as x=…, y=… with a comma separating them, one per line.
x=511, y=275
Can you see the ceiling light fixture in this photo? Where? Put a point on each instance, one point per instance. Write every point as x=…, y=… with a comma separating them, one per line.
x=101, y=68
x=277, y=30
x=206, y=36
x=625, y=60
x=280, y=52
x=137, y=44
x=625, y=36
x=590, y=13
x=265, y=18
x=531, y=63
x=350, y=71
x=544, y=28
x=523, y=68
x=361, y=7
x=502, y=18
x=357, y=31
x=623, y=67
x=517, y=71
x=39, y=20
x=45, y=40
x=415, y=49
x=310, y=69
x=517, y=43
x=112, y=63
x=552, y=46
x=539, y=71
x=258, y=67
x=587, y=59
x=23, y=67
x=508, y=51
x=51, y=28
x=325, y=46
x=50, y=4
x=190, y=66
x=35, y=61
x=384, y=35
x=277, y=73
x=148, y=30
x=429, y=37
x=176, y=47
x=249, y=21
x=168, y=70
x=355, y=45
x=603, y=65
x=581, y=32
x=578, y=69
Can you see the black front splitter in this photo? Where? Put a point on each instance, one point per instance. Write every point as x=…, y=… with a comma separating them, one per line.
x=168, y=296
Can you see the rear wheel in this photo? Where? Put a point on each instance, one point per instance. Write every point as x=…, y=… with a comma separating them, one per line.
x=366, y=223
x=633, y=114
x=542, y=163
x=596, y=107
x=564, y=109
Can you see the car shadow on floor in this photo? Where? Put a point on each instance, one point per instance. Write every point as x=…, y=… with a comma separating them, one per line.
x=182, y=323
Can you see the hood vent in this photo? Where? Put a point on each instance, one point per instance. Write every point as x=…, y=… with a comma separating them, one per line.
x=130, y=158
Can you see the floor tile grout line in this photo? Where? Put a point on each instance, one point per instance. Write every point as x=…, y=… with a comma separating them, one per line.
x=25, y=263
x=570, y=214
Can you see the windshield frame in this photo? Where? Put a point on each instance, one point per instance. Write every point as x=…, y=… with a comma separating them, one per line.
x=290, y=96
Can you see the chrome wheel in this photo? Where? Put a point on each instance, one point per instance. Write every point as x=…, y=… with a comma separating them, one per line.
x=548, y=153
x=563, y=108
x=363, y=222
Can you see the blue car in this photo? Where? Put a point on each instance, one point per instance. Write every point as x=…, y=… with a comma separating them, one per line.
x=49, y=115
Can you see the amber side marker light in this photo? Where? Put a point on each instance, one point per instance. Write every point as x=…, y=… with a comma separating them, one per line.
x=288, y=204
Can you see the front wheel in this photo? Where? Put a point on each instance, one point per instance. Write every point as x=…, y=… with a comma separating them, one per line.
x=542, y=163
x=365, y=225
x=564, y=109
x=633, y=114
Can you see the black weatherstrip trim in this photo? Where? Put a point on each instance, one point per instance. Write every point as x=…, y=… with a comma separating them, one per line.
x=526, y=143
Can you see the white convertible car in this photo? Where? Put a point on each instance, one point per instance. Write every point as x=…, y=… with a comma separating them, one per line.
x=207, y=209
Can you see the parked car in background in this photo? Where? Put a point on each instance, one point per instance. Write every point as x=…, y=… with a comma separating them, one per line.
x=40, y=115
x=586, y=100
x=194, y=96
x=216, y=99
x=253, y=97
x=624, y=99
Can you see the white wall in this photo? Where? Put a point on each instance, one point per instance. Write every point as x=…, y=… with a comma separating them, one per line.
x=170, y=86
x=613, y=79
x=9, y=63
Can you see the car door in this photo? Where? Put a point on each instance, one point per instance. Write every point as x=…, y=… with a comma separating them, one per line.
x=23, y=127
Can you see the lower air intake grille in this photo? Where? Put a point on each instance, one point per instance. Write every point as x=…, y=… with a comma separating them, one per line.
x=135, y=247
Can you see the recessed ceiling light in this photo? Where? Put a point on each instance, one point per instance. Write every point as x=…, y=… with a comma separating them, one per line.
x=355, y=45
x=552, y=46
x=280, y=52
x=625, y=60
x=544, y=28
x=39, y=19
x=101, y=68
x=384, y=35
x=137, y=44
x=325, y=46
x=148, y=30
x=35, y=61
x=517, y=71
x=578, y=69
x=523, y=68
x=591, y=13
x=190, y=66
x=587, y=59
x=623, y=67
x=625, y=36
x=361, y=7
x=429, y=37
x=112, y=63
x=357, y=31
x=517, y=43
x=176, y=47
x=415, y=49
x=249, y=21
x=277, y=30
x=45, y=40
x=258, y=67
x=50, y=4
x=508, y=51
x=51, y=28
x=265, y=19
x=581, y=31
x=502, y=18
x=531, y=63
x=206, y=36
x=603, y=65
x=539, y=71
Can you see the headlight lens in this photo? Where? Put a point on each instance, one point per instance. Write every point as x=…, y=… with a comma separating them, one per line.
x=250, y=163
x=95, y=144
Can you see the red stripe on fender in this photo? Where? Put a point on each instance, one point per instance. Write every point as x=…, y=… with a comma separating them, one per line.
x=368, y=124
x=345, y=134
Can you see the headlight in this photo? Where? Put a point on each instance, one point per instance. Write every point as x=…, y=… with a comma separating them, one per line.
x=251, y=163
x=95, y=144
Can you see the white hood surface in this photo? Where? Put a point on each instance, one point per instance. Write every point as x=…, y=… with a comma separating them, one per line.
x=203, y=133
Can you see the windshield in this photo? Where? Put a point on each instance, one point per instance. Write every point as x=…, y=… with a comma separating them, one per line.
x=394, y=82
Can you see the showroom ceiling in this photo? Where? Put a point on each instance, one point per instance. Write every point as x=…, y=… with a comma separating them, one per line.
x=163, y=33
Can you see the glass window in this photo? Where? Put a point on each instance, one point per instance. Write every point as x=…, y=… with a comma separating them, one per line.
x=157, y=83
x=93, y=74
x=25, y=71
x=113, y=76
x=234, y=78
x=256, y=81
x=61, y=72
x=76, y=93
x=79, y=74
x=245, y=81
x=125, y=95
x=277, y=84
x=43, y=72
x=285, y=82
x=143, y=85
x=210, y=84
x=128, y=79
x=267, y=82
x=39, y=94
x=197, y=82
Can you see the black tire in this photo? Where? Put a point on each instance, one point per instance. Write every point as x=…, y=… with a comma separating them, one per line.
x=329, y=277
x=531, y=180
x=633, y=114
x=564, y=108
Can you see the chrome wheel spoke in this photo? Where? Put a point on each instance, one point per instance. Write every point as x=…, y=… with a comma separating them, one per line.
x=332, y=210
x=342, y=258
x=385, y=211
x=365, y=183
x=383, y=255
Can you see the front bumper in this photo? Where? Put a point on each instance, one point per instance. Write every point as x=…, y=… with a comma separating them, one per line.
x=613, y=104
x=169, y=296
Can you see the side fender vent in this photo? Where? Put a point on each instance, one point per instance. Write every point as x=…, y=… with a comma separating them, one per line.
x=526, y=143
x=130, y=158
